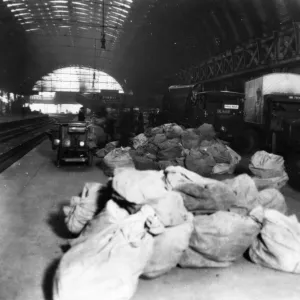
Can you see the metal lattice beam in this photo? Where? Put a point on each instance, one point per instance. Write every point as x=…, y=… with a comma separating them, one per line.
x=280, y=49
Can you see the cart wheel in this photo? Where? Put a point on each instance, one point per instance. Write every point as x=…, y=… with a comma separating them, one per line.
x=90, y=159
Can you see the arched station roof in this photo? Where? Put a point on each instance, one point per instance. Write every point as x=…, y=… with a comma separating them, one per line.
x=147, y=41
x=77, y=79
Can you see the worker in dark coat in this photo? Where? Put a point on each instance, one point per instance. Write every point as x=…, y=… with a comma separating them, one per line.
x=151, y=119
x=160, y=118
x=126, y=127
x=81, y=115
x=110, y=126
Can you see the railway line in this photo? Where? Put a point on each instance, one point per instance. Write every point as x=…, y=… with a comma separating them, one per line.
x=17, y=138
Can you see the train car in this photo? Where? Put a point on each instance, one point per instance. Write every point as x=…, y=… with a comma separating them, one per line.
x=272, y=111
x=190, y=106
x=174, y=103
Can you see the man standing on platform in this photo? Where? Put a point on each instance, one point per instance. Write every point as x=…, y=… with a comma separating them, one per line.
x=81, y=115
x=126, y=127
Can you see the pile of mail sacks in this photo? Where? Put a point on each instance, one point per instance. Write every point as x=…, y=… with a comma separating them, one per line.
x=196, y=149
x=145, y=223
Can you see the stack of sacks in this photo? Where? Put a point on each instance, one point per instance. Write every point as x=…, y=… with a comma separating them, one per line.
x=108, y=261
x=144, y=157
x=139, y=141
x=249, y=197
x=190, y=139
x=146, y=229
x=170, y=145
x=200, y=194
x=200, y=162
x=163, y=145
x=117, y=158
x=82, y=209
x=278, y=244
x=101, y=153
x=173, y=131
x=196, y=149
x=212, y=157
x=169, y=248
x=269, y=170
x=228, y=214
x=207, y=131
x=139, y=187
x=148, y=187
x=220, y=239
x=204, y=195
x=120, y=243
x=226, y=159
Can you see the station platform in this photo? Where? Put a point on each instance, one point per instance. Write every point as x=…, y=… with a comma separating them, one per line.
x=33, y=191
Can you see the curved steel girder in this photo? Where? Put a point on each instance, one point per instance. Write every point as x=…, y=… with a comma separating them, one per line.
x=221, y=29
x=260, y=10
x=49, y=36
x=59, y=48
x=227, y=13
x=207, y=28
x=70, y=23
x=130, y=34
x=64, y=44
x=241, y=8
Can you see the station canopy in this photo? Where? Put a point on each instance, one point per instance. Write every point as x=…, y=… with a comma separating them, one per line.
x=147, y=42
x=50, y=16
x=68, y=33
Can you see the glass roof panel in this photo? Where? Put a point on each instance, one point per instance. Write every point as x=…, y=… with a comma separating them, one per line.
x=86, y=15
x=74, y=78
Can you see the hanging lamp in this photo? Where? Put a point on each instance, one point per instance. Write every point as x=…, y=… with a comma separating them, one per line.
x=103, y=39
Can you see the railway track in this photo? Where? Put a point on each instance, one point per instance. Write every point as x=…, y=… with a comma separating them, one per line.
x=19, y=139
x=19, y=131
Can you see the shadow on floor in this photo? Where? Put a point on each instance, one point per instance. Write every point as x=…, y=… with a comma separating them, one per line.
x=46, y=150
x=56, y=221
x=73, y=166
x=48, y=279
x=247, y=256
x=99, y=163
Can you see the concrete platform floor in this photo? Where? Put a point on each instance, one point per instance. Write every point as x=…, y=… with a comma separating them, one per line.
x=31, y=236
